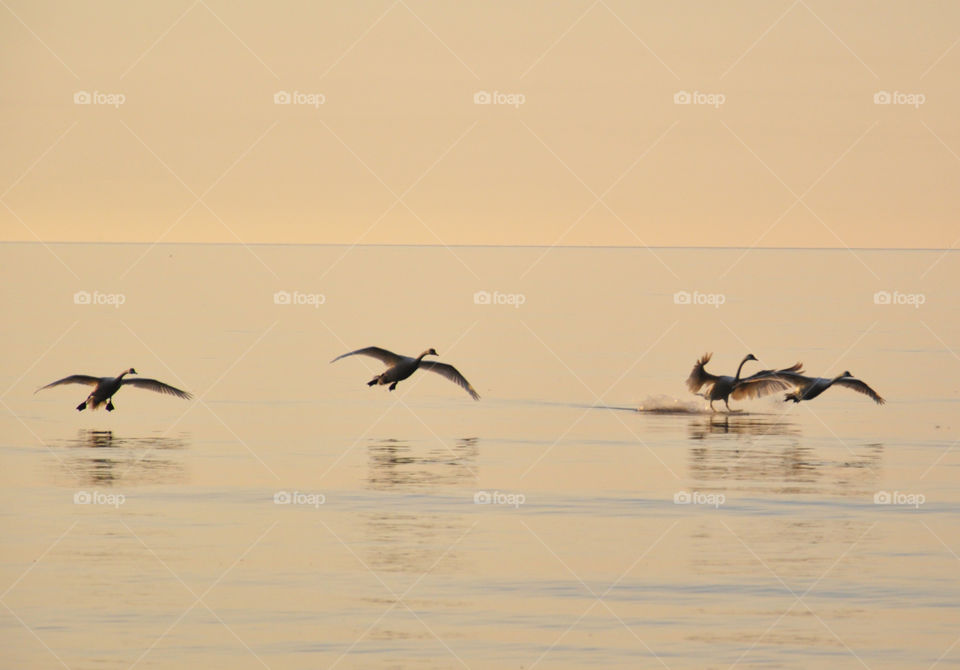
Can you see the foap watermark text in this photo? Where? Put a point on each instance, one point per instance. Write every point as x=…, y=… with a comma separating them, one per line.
x=498, y=298
x=899, y=98
x=297, y=298
x=299, y=498
x=698, y=98
x=499, y=498
x=99, y=98
x=499, y=98
x=898, y=298
x=698, y=498
x=899, y=498
x=299, y=98
x=698, y=298
x=98, y=498
x=98, y=298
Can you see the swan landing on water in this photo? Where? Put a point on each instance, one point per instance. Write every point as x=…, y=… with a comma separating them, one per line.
x=400, y=367
x=723, y=387
x=808, y=388
x=106, y=387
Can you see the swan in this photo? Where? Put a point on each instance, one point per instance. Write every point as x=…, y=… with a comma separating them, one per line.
x=400, y=367
x=808, y=388
x=106, y=387
x=723, y=387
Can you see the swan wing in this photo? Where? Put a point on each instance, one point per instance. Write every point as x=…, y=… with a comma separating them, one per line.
x=387, y=357
x=794, y=369
x=73, y=379
x=452, y=374
x=756, y=386
x=860, y=387
x=700, y=377
x=158, y=387
x=790, y=375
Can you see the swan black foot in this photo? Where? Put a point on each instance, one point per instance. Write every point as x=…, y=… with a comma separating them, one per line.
x=110, y=406
x=373, y=382
x=393, y=386
x=82, y=406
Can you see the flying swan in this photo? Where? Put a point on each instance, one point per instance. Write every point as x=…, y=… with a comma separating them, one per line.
x=724, y=387
x=106, y=387
x=401, y=367
x=808, y=388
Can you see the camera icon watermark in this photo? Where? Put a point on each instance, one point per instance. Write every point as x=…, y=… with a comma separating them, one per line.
x=97, y=298
x=899, y=498
x=697, y=98
x=299, y=498
x=299, y=98
x=698, y=498
x=497, y=98
x=114, y=500
x=297, y=298
x=898, y=98
x=698, y=298
x=499, y=498
x=97, y=98
x=898, y=298
x=498, y=298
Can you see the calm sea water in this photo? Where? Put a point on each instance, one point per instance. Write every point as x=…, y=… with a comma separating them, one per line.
x=292, y=517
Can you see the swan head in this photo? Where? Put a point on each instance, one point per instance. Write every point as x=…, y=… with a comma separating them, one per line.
x=846, y=373
x=431, y=352
x=750, y=357
x=131, y=371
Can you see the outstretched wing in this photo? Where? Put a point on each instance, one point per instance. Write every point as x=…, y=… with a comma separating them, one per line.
x=387, y=357
x=792, y=374
x=158, y=387
x=452, y=374
x=766, y=382
x=698, y=376
x=860, y=387
x=757, y=387
x=794, y=369
x=73, y=379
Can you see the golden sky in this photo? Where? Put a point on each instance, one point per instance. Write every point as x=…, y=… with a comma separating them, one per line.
x=385, y=139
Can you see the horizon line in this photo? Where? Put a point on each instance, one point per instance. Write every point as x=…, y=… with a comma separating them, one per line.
x=472, y=246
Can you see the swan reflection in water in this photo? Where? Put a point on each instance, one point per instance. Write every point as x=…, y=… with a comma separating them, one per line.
x=758, y=425
x=99, y=457
x=397, y=466
x=405, y=534
x=773, y=454
x=763, y=462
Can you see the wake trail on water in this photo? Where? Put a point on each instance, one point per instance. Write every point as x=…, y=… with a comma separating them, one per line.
x=665, y=404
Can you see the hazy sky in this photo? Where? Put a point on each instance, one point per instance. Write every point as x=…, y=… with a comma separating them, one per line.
x=582, y=142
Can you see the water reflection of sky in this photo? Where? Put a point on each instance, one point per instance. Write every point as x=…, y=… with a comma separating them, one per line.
x=405, y=540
